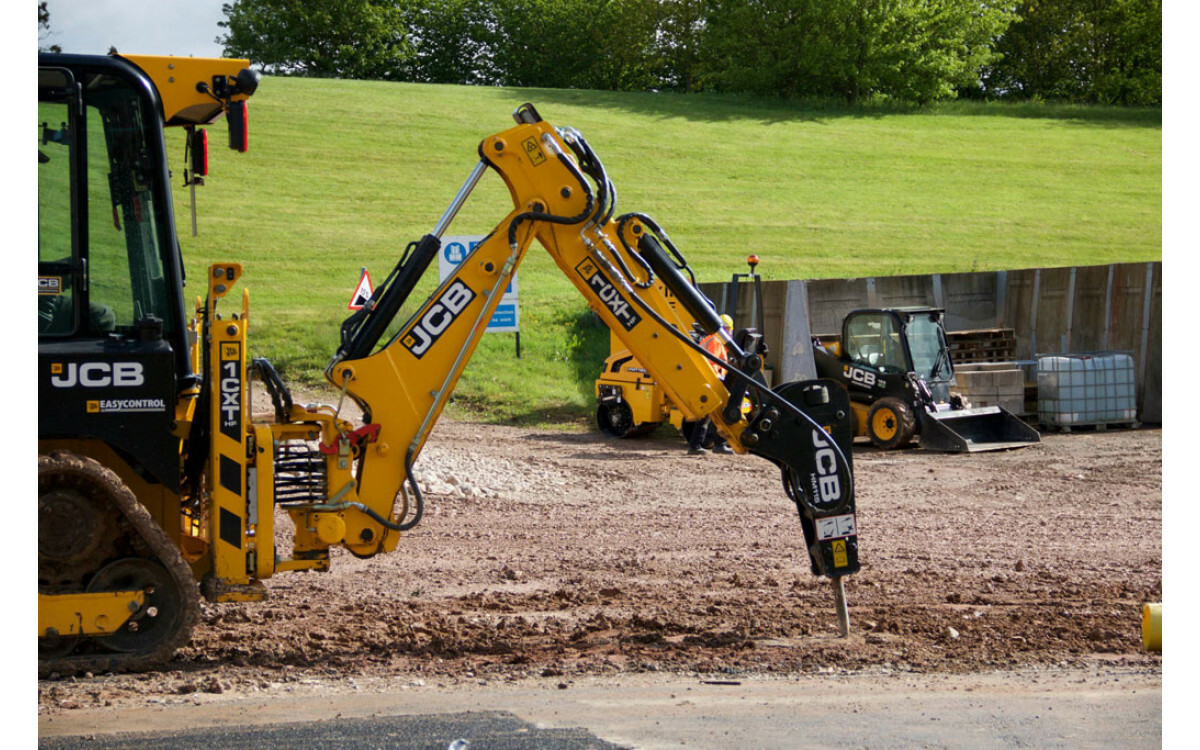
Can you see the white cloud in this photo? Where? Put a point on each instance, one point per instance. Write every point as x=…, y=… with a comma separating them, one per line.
x=143, y=27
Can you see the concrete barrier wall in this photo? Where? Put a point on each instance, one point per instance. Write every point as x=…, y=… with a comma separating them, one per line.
x=1052, y=311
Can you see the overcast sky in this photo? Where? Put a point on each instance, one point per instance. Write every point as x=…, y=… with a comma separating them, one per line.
x=144, y=27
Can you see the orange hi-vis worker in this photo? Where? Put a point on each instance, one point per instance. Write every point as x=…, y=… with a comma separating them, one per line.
x=704, y=431
x=714, y=345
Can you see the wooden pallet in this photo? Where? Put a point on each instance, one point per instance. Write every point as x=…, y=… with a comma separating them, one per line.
x=982, y=345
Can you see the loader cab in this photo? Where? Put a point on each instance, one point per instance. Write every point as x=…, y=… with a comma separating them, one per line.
x=111, y=324
x=901, y=340
x=107, y=261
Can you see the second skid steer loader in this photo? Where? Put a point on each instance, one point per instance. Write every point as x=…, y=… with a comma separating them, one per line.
x=895, y=363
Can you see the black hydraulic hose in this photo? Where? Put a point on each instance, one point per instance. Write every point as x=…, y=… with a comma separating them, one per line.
x=281, y=397
x=420, y=501
x=364, y=509
x=646, y=268
x=378, y=518
x=679, y=261
x=593, y=167
x=590, y=165
x=588, y=211
x=756, y=385
x=388, y=523
x=751, y=382
x=650, y=276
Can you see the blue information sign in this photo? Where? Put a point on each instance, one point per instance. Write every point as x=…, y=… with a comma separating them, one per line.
x=507, y=317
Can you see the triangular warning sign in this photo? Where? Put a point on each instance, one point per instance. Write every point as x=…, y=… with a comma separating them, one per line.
x=363, y=293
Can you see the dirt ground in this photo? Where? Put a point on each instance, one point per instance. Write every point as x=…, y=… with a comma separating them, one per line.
x=565, y=554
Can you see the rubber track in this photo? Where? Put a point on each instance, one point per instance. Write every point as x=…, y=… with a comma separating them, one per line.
x=163, y=550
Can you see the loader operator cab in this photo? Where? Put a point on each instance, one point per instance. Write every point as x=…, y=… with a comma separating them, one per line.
x=928, y=347
x=901, y=340
x=106, y=260
x=873, y=339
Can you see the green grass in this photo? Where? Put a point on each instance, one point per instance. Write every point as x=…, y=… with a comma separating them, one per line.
x=343, y=174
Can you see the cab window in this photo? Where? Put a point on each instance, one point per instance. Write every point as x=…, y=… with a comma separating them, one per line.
x=99, y=213
x=928, y=346
x=873, y=340
x=55, y=282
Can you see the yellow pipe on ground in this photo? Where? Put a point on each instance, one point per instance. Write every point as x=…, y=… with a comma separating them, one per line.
x=1152, y=627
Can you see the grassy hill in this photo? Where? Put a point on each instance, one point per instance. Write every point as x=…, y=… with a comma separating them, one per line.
x=341, y=175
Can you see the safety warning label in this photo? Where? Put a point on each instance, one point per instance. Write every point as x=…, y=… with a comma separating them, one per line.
x=836, y=527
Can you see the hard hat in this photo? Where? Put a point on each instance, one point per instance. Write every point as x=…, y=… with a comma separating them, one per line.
x=727, y=322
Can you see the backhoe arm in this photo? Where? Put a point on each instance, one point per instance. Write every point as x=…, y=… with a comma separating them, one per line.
x=562, y=197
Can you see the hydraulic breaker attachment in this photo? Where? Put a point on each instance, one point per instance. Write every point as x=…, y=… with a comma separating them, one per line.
x=812, y=450
x=805, y=427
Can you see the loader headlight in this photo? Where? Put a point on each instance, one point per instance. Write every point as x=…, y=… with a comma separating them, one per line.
x=247, y=81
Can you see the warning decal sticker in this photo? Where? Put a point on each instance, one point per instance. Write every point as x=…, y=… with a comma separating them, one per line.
x=836, y=527
x=533, y=151
x=840, y=559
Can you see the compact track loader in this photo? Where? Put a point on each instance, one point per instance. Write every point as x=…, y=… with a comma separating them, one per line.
x=156, y=482
x=895, y=364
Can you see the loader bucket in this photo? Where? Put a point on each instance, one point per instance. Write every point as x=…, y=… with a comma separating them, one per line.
x=988, y=428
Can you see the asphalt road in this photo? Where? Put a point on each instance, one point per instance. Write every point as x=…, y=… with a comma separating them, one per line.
x=1104, y=708
x=486, y=729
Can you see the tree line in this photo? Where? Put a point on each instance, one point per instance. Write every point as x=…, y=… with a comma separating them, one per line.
x=918, y=51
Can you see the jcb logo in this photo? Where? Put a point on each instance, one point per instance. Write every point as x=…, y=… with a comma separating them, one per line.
x=437, y=318
x=50, y=285
x=97, y=374
x=827, y=489
x=860, y=376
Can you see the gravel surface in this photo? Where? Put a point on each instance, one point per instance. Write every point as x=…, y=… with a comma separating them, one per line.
x=565, y=554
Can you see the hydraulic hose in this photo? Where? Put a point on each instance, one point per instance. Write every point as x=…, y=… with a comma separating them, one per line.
x=420, y=501
x=790, y=481
x=535, y=215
